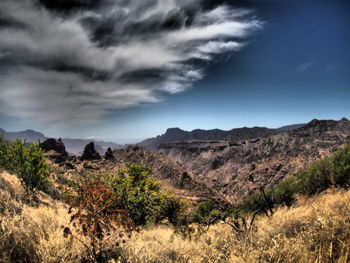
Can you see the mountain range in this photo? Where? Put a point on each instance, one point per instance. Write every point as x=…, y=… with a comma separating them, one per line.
x=236, y=168
x=176, y=134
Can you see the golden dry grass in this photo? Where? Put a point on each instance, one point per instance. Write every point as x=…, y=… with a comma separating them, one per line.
x=316, y=230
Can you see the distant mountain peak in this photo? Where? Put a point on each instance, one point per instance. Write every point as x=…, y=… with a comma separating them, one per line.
x=174, y=130
x=320, y=125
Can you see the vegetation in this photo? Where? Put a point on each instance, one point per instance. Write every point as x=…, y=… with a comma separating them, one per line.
x=323, y=174
x=143, y=197
x=318, y=230
x=27, y=162
x=93, y=216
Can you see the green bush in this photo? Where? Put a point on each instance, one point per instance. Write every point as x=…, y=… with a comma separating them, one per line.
x=3, y=153
x=260, y=201
x=341, y=167
x=283, y=193
x=175, y=210
x=139, y=194
x=29, y=164
x=317, y=178
x=205, y=213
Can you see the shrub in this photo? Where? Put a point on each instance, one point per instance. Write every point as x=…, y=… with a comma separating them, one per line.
x=206, y=213
x=317, y=178
x=139, y=194
x=93, y=216
x=3, y=153
x=29, y=164
x=175, y=210
x=284, y=192
x=341, y=167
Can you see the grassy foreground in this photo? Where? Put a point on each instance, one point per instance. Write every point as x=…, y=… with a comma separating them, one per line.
x=316, y=229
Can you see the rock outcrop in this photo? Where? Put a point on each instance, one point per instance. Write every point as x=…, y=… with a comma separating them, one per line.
x=109, y=154
x=54, y=150
x=55, y=145
x=90, y=153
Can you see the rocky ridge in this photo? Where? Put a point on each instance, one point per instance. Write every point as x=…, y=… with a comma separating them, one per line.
x=175, y=134
x=237, y=168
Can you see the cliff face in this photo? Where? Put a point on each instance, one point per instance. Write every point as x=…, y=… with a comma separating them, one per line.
x=237, y=168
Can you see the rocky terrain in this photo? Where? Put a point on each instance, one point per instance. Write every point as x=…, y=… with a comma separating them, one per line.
x=176, y=134
x=73, y=146
x=236, y=168
x=172, y=175
x=218, y=167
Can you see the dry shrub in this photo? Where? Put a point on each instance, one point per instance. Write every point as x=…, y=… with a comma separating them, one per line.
x=94, y=217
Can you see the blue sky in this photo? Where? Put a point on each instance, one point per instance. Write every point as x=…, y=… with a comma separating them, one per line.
x=294, y=69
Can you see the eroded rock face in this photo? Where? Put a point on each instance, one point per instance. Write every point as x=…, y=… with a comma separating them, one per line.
x=242, y=167
x=54, y=150
x=90, y=153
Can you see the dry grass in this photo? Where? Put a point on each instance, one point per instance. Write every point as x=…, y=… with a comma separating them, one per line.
x=36, y=236
x=317, y=230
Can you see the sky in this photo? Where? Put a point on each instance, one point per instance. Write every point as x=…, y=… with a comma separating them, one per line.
x=128, y=70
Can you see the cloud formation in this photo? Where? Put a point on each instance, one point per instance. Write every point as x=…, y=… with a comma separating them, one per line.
x=72, y=62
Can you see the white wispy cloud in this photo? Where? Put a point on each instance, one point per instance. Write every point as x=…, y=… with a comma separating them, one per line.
x=59, y=68
x=305, y=66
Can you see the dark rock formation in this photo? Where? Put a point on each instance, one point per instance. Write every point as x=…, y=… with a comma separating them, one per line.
x=55, y=145
x=109, y=154
x=54, y=150
x=90, y=152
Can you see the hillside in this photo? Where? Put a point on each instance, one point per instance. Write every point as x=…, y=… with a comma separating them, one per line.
x=316, y=229
x=28, y=135
x=171, y=174
x=240, y=167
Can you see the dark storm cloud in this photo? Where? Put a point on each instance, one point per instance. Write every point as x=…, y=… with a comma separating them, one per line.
x=74, y=61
